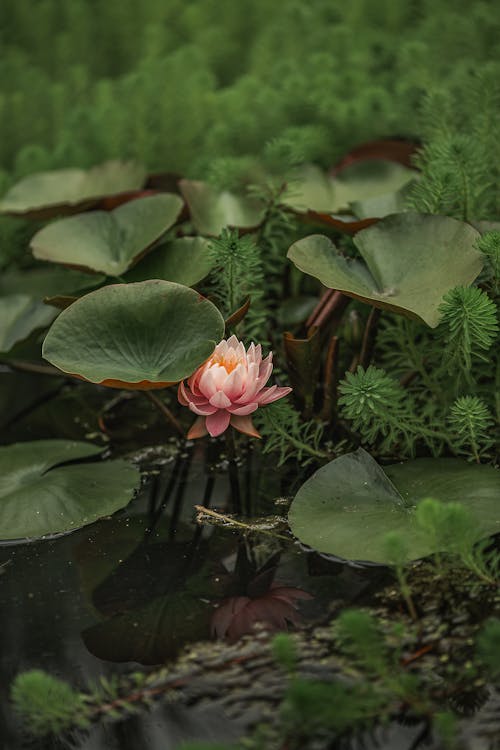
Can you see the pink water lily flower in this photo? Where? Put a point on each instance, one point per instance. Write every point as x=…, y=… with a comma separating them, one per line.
x=228, y=388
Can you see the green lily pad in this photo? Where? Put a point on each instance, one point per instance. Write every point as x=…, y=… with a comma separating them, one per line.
x=153, y=633
x=108, y=241
x=211, y=210
x=147, y=334
x=184, y=260
x=20, y=315
x=43, y=282
x=41, y=494
x=347, y=507
x=411, y=261
x=68, y=190
x=376, y=182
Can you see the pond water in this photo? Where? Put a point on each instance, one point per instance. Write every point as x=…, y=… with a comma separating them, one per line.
x=138, y=587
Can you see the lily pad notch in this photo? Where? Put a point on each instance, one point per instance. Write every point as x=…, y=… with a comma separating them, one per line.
x=43, y=492
x=108, y=242
x=410, y=261
x=347, y=507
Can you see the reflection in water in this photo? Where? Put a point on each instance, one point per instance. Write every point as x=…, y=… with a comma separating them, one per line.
x=138, y=587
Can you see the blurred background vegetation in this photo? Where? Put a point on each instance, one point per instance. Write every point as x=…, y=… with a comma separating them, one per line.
x=201, y=87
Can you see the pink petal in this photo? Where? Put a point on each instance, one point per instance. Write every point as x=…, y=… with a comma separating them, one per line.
x=268, y=395
x=220, y=400
x=252, y=385
x=245, y=425
x=218, y=423
x=186, y=397
x=212, y=380
x=224, y=614
x=182, y=394
x=206, y=383
x=242, y=411
x=235, y=384
x=204, y=410
x=232, y=342
x=198, y=429
x=265, y=369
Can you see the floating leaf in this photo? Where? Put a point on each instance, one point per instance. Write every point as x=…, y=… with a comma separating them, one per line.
x=376, y=180
x=108, y=241
x=20, y=315
x=212, y=211
x=46, y=282
x=142, y=335
x=41, y=494
x=411, y=261
x=66, y=191
x=347, y=507
x=153, y=633
x=184, y=260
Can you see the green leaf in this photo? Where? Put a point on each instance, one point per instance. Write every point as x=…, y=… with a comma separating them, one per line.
x=20, y=315
x=348, y=506
x=364, y=186
x=153, y=633
x=184, y=260
x=47, y=282
x=212, y=211
x=66, y=190
x=411, y=261
x=145, y=334
x=40, y=494
x=108, y=241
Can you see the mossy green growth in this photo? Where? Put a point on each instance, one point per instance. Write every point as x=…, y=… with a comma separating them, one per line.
x=48, y=705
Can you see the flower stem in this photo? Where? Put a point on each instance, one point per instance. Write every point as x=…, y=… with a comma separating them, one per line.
x=165, y=411
x=234, y=481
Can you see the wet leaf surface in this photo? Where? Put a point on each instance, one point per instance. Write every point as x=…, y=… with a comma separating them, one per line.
x=348, y=506
x=145, y=334
x=41, y=494
x=62, y=191
x=108, y=242
x=410, y=261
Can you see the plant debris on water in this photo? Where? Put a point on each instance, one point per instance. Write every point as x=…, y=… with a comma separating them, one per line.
x=250, y=374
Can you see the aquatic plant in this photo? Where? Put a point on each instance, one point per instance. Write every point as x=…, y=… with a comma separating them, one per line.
x=266, y=199
x=228, y=388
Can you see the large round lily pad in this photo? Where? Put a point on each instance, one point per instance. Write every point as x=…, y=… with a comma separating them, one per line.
x=347, y=507
x=147, y=334
x=64, y=191
x=411, y=261
x=108, y=241
x=20, y=315
x=211, y=210
x=41, y=494
x=184, y=260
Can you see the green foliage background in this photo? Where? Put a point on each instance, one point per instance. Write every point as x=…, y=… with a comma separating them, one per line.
x=183, y=85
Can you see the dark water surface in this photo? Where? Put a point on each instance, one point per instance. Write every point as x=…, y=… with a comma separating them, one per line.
x=138, y=587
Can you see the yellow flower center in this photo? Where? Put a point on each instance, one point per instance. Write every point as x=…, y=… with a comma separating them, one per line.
x=229, y=362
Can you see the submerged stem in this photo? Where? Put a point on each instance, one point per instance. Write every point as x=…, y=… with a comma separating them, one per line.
x=165, y=411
